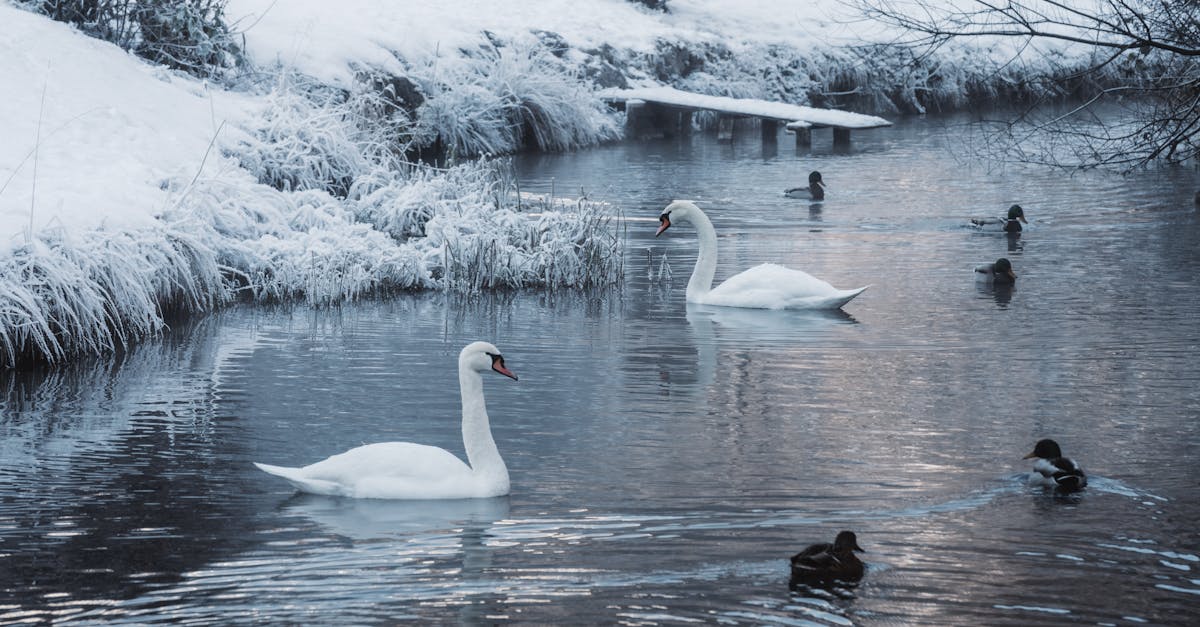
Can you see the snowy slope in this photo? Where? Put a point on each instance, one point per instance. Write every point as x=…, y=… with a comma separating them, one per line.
x=112, y=129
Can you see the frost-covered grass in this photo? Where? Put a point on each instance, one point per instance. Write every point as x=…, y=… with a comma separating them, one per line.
x=503, y=97
x=882, y=79
x=231, y=237
x=96, y=292
x=129, y=192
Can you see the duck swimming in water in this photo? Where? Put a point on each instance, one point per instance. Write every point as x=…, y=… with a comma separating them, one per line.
x=1008, y=224
x=999, y=273
x=814, y=191
x=825, y=562
x=1052, y=470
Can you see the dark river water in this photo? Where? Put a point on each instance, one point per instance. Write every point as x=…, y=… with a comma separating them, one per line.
x=667, y=460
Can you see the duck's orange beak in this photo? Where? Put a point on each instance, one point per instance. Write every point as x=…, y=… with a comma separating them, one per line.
x=1030, y=456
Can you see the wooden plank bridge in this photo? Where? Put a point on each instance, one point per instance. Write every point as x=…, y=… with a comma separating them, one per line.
x=668, y=110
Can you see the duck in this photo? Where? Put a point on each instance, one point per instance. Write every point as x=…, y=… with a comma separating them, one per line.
x=814, y=191
x=999, y=273
x=1008, y=224
x=766, y=286
x=405, y=470
x=1052, y=470
x=826, y=562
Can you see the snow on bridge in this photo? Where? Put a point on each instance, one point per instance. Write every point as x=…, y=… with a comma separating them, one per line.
x=657, y=103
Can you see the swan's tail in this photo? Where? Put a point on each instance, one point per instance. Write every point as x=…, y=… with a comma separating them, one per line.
x=295, y=476
x=845, y=296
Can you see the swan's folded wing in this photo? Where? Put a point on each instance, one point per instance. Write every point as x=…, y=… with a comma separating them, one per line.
x=771, y=286
x=295, y=476
x=388, y=459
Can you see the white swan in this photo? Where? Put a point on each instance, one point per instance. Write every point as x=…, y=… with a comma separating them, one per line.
x=767, y=286
x=404, y=470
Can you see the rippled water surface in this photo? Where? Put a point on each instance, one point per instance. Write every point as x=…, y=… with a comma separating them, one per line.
x=666, y=460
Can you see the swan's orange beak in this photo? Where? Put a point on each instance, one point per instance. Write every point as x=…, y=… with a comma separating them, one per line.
x=498, y=366
x=664, y=223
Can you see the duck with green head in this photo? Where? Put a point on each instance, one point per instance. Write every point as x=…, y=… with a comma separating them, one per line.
x=1000, y=272
x=1010, y=223
x=814, y=191
x=1053, y=471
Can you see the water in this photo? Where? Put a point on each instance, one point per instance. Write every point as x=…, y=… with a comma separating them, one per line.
x=666, y=461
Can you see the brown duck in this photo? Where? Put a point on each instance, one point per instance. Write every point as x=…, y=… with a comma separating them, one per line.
x=826, y=562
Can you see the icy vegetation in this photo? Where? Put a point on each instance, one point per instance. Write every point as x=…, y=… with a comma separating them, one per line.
x=458, y=229
x=301, y=167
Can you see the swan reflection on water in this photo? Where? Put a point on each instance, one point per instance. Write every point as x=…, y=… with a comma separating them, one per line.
x=365, y=519
x=768, y=324
x=713, y=325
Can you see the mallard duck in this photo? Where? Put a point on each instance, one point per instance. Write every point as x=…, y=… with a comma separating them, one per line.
x=826, y=562
x=1052, y=470
x=1009, y=224
x=814, y=191
x=1000, y=272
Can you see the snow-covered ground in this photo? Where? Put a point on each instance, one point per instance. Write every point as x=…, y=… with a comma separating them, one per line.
x=102, y=131
x=128, y=190
x=329, y=39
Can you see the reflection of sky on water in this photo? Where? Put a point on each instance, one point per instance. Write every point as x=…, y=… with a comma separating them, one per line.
x=666, y=459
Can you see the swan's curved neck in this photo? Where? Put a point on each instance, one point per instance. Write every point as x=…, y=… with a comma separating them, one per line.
x=706, y=260
x=482, y=454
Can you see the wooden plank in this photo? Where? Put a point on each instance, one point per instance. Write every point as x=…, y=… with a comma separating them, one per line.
x=764, y=109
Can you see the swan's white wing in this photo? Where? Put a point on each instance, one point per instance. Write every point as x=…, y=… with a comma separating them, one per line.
x=771, y=286
x=388, y=459
x=389, y=470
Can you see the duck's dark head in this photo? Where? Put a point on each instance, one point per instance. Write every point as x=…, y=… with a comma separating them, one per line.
x=1045, y=449
x=814, y=178
x=1003, y=270
x=847, y=541
x=1015, y=212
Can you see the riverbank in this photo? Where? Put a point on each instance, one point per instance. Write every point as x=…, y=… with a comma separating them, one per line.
x=131, y=192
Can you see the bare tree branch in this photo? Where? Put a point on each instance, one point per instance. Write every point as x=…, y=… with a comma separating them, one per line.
x=1142, y=56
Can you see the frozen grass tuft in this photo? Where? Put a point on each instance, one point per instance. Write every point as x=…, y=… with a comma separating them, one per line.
x=549, y=244
x=505, y=97
x=306, y=140
x=232, y=237
x=97, y=291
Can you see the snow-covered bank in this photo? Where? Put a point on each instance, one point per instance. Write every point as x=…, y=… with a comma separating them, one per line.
x=128, y=191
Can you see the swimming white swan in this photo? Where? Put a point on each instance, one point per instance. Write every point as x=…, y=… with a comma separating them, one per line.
x=767, y=286
x=404, y=470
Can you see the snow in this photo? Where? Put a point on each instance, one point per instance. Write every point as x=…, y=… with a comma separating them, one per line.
x=329, y=40
x=112, y=129
x=750, y=107
x=126, y=188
